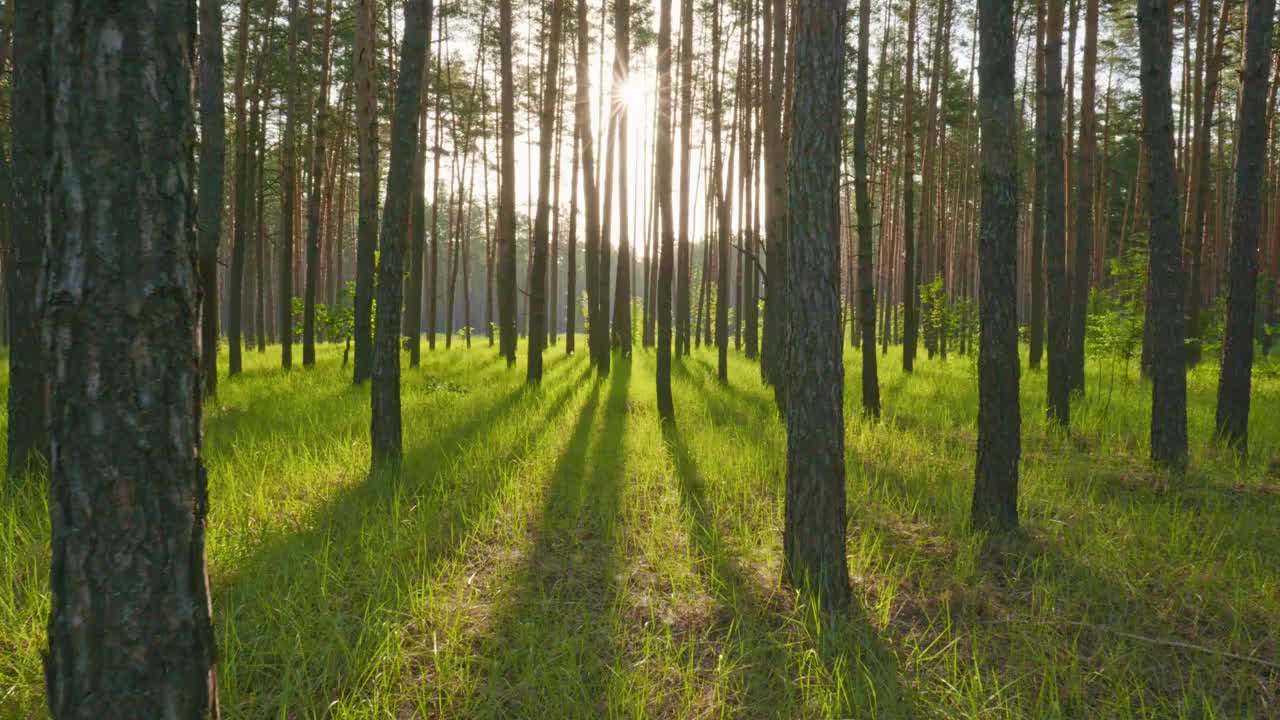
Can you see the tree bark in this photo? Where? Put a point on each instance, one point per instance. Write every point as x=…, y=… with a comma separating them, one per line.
x=288, y=193
x=507, y=195
x=213, y=153
x=1168, y=367
x=1084, y=203
x=31, y=144
x=684, y=253
x=1059, y=401
x=666, y=405
x=130, y=632
x=866, y=289
x=542, y=218
x=590, y=196
x=995, y=490
x=814, y=531
x=1232, y=419
x=386, y=429
x=243, y=188
x=1036, y=325
x=367, y=158
x=318, y=172
x=910, y=294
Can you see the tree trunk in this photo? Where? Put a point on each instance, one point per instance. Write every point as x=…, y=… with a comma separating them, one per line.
x=130, y=632
x=1084, y=203
x=814, y=531
x=722, y=206
x=507, y=194
x=1059, y=388
x=571, y=254
x=318, y=172
x=684, y=260
x=213, y=153
x=590, y=196
x=995, y=490
x=773, y=351
x=367, y=151
x=386, y=434
x=25, y=256
x=1168, y=367
x=541, y=229
x=239, y=238
x=1246, y=223
x=910, y=294
x=666, y=405
x=1038, y=200
x=866, y=289
x=622, y=285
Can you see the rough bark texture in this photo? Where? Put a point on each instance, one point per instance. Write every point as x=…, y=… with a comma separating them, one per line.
x=995, y=490
x=542, y=216
x=130, y=633
x=507, y=195
x=773, y=345
x=814, y=532
x=213, y=160
x=666, y=406
x=367, y=159
x=866, y=288
x=26, y=427
x=1242, y=296
x=385, y=429
x=1059, y=407
x=1168, y=371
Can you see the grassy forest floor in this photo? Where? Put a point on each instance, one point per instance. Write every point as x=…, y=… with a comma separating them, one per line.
x=558, y=553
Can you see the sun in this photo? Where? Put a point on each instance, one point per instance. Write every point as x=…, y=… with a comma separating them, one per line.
x=633, y=93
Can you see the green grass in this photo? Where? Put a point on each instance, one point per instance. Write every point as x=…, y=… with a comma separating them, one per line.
x=558, y=553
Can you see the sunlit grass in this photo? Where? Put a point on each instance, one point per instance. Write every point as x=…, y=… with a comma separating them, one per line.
x=557, y=552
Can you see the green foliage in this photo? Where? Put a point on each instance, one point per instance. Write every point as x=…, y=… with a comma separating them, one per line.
x=1116, y=316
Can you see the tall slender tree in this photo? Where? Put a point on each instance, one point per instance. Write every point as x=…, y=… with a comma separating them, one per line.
x=866, y=288
x=590, y=195
x=1242, y=295
x=683, y=254
x=814, y=530
x=385, y=427
x=507, y=194
x=542, y=216
x=288, y=193
x=213, y=153
x=319, y=133
x=910, y=294
x=130, y=632
x=666, y=406
x=773, y=341
x=1059, y=400
x=1168, y=369
x=1036, y=324
x=241, y=196
x=367, y=151
x=1084, y=202
x=995, y=490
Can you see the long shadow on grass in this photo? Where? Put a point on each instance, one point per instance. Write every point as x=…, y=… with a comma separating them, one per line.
x=763, y=629
x=307, y=617
x=1021, y=615
x=552, y=647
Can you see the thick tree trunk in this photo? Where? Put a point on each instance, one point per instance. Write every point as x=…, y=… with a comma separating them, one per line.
x=1246, y=223
x=814, y=531
x=130, y=632
x=542, y=217
x=385, y=431
x=213, y=153
x=866, y=289
x=367, y=151
x=995, y=491
x=1168, y=367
